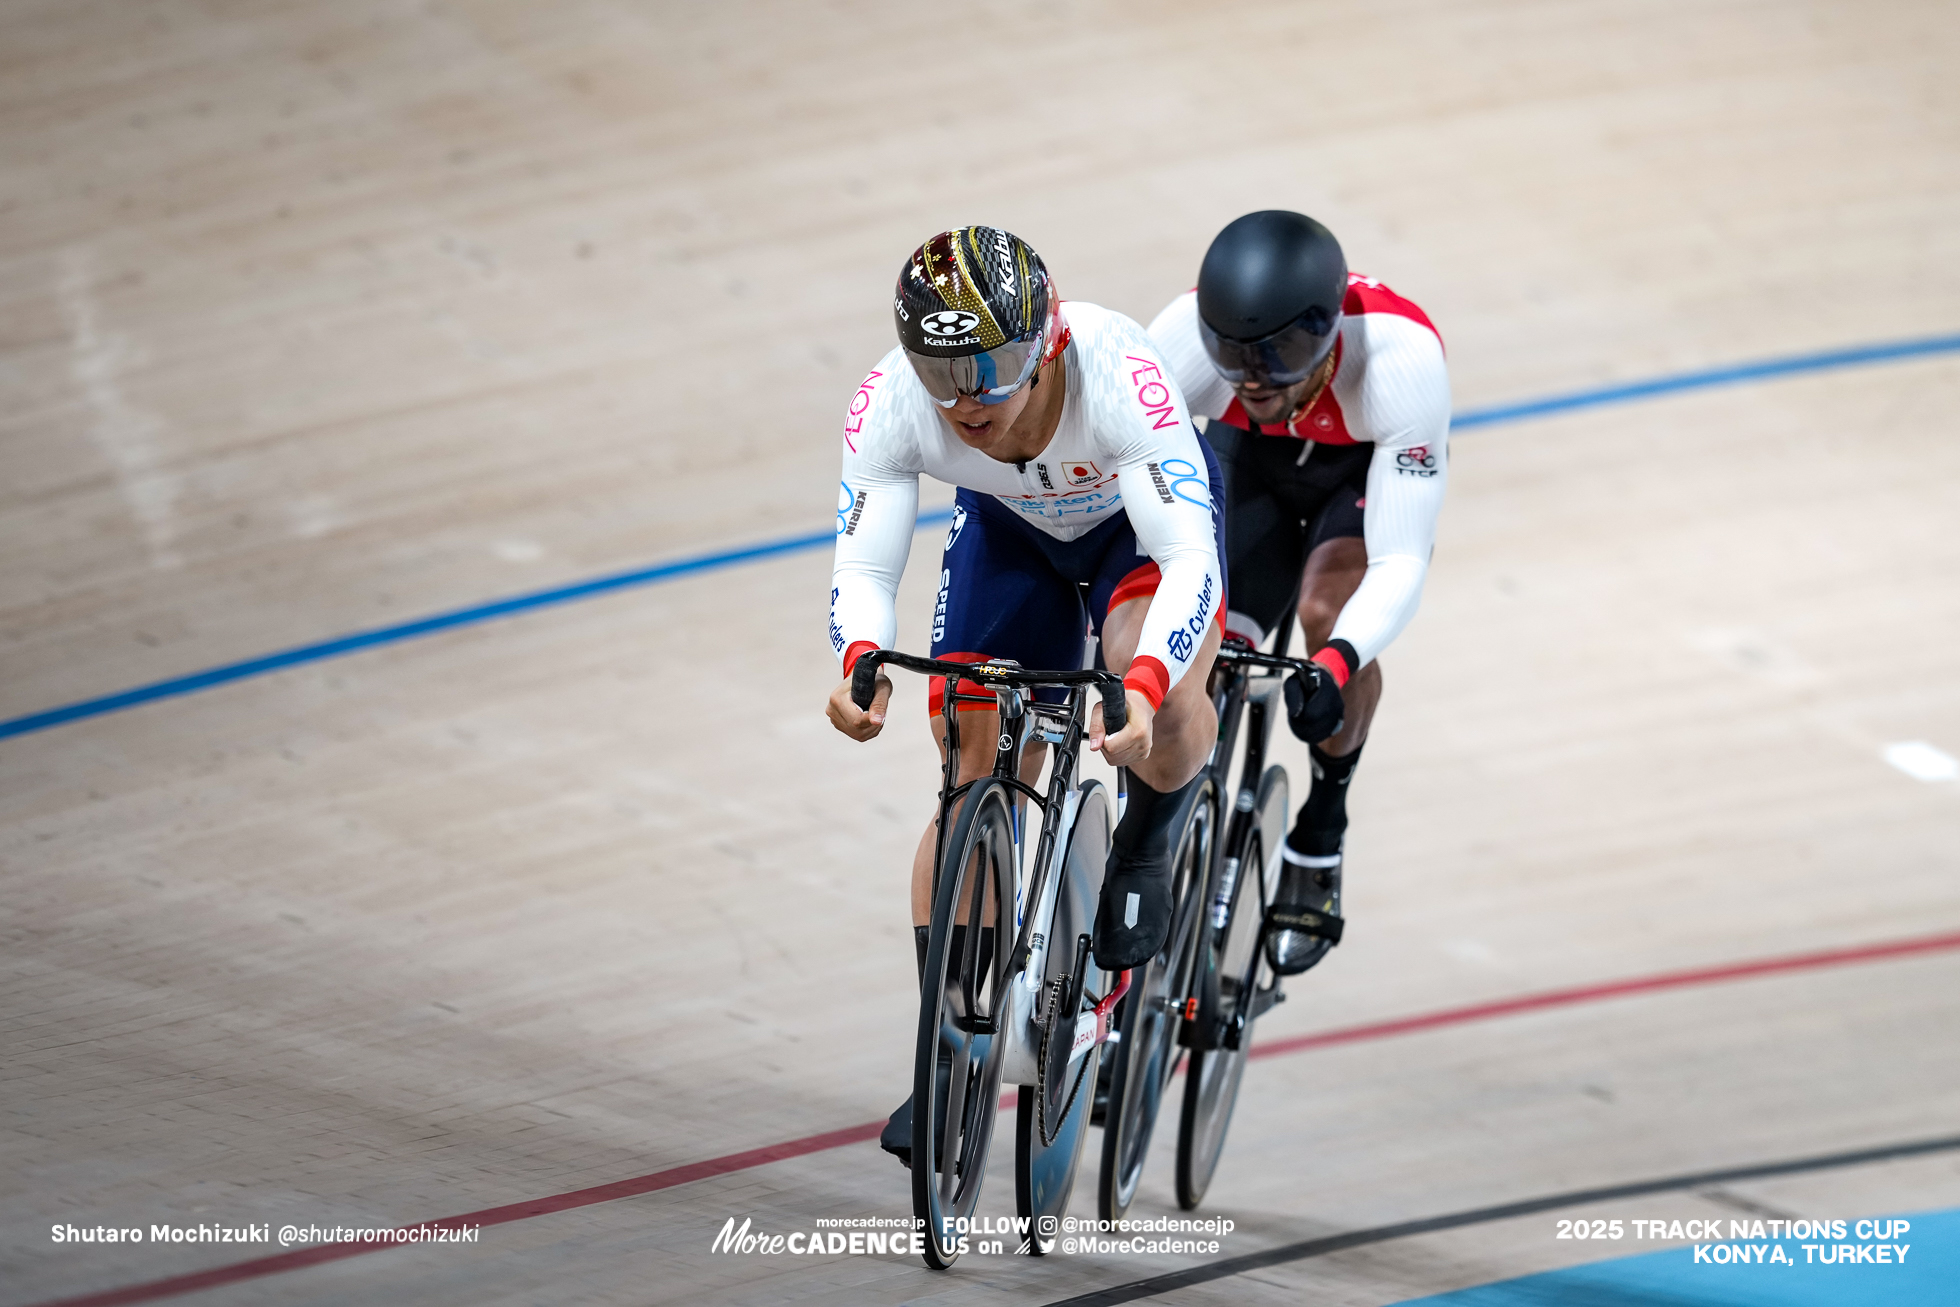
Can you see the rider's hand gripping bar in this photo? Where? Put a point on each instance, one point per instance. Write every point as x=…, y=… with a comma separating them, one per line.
x=864, y=680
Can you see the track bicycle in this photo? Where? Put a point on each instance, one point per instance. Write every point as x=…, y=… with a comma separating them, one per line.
x=1036, y=1013
x=1196, y=1001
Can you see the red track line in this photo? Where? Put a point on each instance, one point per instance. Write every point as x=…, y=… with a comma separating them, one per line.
x=754, y=1157
x=1611, y=989
x=604, y=1193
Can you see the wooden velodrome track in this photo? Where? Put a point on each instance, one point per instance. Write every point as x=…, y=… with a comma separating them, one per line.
x=318, y=319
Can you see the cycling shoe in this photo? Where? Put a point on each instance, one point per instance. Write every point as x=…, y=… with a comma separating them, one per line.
x=896, y=1138
x=1305, y=918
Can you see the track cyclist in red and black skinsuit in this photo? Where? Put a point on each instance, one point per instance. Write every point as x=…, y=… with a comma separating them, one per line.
x=1329, y=405
x=1080, y=478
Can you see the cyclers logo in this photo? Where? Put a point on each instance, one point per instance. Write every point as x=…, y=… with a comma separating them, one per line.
x=1181, y=641
x=959, y=522
x=948, y=323
x=1417, y=462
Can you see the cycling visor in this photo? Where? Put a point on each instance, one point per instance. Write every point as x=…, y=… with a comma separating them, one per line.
x=1285, y=358
x=991, y=376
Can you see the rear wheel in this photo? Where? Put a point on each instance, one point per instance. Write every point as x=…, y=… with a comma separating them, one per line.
x=956, y=1073
x=1146, y=1057
x=1232, y=984
x=1052, y=1120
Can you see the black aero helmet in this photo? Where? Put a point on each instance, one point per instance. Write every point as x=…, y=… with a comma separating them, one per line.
x=977, y=314
x=1269, y=297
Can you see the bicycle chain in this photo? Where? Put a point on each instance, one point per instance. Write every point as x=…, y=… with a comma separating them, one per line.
x=1056, y=988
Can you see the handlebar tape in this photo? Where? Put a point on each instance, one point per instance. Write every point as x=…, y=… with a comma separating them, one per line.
x=864, y=680
x=1116, y=708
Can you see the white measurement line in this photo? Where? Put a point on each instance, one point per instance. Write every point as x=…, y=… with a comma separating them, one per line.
x=1922, y=761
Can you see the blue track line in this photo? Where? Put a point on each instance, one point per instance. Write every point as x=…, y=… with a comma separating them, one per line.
x=1728, y=376
x=346, y=644
x=312, y=653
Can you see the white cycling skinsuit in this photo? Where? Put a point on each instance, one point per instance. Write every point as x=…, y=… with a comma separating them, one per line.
x=1124, y=445
x=1390, y=389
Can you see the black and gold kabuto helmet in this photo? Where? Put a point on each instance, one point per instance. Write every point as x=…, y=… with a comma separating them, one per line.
x=977, y=314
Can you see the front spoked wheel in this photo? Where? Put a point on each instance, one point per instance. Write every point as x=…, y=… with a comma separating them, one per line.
x=956, y=1074
x=1233, y=986
x=1146, y=1055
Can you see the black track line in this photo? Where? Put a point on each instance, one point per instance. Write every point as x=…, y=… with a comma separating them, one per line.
x=1333, y=1243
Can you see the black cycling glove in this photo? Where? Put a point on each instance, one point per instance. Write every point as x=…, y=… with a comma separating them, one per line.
x=1314, y=707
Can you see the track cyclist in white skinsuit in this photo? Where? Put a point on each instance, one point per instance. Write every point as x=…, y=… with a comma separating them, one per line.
x=1329, y=402
x=1080, y=479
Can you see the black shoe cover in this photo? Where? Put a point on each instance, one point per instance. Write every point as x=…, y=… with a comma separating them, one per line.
x=1134, y=917
x=896, y=1138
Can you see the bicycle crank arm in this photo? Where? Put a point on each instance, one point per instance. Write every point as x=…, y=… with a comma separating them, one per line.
x=1092, y=1027
x=1265, y=1000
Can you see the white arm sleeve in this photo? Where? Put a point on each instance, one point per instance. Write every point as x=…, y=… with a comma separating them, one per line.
x=1166, y=490
x=877, y=511
x=1405, y=400
x=1174, y=333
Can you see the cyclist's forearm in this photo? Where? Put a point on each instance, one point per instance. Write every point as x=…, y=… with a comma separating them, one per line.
x=874, y=538
x=863, y=612
x=1380, y=607
x=1186, y=603
x=1169, y=505
x=1405, y=495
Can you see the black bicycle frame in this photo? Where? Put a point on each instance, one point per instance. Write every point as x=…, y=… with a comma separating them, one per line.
x=1009, y=683
x=1235, y=704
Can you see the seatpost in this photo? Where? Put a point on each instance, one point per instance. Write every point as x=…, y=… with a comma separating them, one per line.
x=1289, y=614
x=1013, y=707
